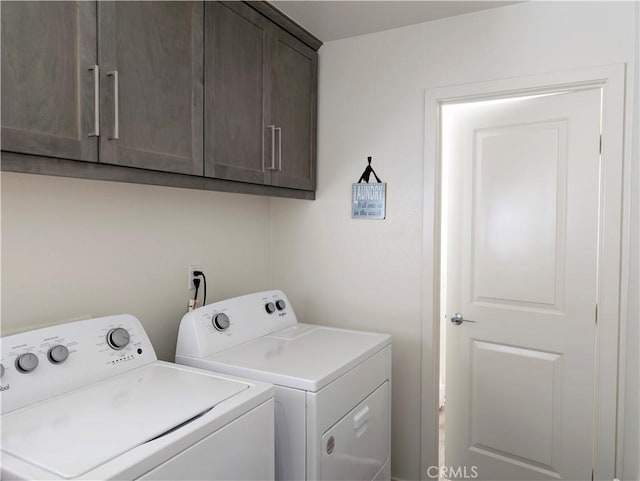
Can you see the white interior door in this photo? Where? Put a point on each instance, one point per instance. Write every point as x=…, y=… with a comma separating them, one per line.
x=521, y=189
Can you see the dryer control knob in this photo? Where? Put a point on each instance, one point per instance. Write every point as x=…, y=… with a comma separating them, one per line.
x=58, y=354
x=118, y=338
x=27, y=362
x=1, y=370
x=269, y=307
x=280, y=304
x=221, y=321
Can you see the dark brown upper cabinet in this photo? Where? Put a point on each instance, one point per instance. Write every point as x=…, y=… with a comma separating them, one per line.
x=203, y=95
x=260, y=99
x=293, y=89
x=236, y=68
x=151, y=62
x=49, y=79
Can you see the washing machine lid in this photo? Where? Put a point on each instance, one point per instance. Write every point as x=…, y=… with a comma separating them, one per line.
x=304, y=356
x=78, y=431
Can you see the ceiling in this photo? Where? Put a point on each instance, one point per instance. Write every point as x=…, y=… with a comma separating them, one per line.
x=334, y=20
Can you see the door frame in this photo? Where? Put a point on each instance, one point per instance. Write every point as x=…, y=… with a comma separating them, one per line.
x=612, y=249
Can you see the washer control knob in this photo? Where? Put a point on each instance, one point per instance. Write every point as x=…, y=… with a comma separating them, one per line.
x=27, y=362
x=58, y=354
x=118, y=338
x=280, y=304
x=270, y=308
x=1, y=370
x=221, y=321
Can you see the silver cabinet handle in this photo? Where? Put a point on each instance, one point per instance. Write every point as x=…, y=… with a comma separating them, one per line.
x=279, y=130
x=96, y=100
x=116, y=102
x=273, y=147
x=458, y=319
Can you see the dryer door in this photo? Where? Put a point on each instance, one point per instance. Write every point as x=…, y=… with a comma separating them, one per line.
x=357, y=446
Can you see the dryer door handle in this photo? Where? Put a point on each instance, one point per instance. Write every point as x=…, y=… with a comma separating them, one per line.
x=361, y=418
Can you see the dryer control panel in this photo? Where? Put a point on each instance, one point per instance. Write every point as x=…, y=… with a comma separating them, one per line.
x=45, y=362
x=221, y=325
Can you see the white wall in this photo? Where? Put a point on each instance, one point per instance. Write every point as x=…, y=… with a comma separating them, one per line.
x=367, y=274
x=74, y=247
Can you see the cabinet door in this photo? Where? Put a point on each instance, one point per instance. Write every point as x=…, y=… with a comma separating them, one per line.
x=151, y=58
x=236, y=46
x=293, y=109
x=48, y=91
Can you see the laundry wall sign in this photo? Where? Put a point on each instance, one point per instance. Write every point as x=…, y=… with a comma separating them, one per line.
x=368, y=200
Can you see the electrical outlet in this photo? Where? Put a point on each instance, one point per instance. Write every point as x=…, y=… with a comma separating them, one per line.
x=192, y=268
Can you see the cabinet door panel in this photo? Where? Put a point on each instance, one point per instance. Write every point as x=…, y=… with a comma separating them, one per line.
x=157, y=50
x=47, y=87
x=293, y=109
x=236, y=50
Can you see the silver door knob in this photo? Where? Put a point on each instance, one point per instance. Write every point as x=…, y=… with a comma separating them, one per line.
x=458, y=319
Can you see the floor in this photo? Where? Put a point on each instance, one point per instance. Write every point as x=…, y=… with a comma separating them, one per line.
x=441, y=442
x=441, y=438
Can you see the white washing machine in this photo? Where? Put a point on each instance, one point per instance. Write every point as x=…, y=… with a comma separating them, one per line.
x=332, y=386
x=89, y=400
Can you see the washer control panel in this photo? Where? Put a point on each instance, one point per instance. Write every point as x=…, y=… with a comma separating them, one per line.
x=45, y=362
x=224, y=324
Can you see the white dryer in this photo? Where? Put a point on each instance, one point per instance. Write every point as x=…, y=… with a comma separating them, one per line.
x=332, y=386
x=89, y=400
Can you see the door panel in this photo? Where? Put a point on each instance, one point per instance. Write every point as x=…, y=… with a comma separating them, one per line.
x=48, y=90
x=521, y=262
x=531, y=406
x=157, y=50
x=519, y=190
x=236, y=45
